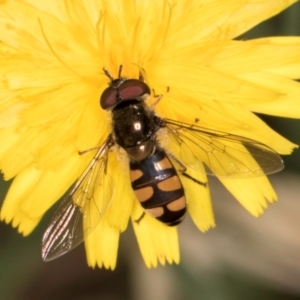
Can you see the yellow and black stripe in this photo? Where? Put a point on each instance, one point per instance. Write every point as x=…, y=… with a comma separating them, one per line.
x=158, y=188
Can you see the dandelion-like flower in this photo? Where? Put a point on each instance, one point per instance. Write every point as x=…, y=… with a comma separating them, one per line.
x=52, y=57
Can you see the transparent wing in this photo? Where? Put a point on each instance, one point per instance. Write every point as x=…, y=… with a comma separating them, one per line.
x=80, y=211
x=223, y=154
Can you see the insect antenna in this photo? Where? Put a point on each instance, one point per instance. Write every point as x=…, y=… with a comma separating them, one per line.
x=120, y=71
x=108, y=74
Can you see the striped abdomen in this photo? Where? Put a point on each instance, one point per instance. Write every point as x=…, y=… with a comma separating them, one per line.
x=158, y=188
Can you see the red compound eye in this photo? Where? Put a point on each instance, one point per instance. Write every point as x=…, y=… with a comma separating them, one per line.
x=108, y=98
x=132, y=89
x=129, y=89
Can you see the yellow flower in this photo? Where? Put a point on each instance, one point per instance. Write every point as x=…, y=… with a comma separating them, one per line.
x=52, y=55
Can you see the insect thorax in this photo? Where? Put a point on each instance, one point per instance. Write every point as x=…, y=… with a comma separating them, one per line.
x=134, y=128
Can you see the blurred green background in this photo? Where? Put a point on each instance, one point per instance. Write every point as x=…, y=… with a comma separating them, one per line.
x=242, y=258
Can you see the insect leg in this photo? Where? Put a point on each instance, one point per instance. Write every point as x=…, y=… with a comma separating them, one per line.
x=140, y=218
x=194, y=179
x=182, y=170
x=158, y=98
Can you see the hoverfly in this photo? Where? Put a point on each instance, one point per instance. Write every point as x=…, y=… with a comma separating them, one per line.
x=154, y=178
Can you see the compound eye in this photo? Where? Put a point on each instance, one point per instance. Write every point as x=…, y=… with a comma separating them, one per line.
x=133, y=89
x=108, y=98
x=126, y=90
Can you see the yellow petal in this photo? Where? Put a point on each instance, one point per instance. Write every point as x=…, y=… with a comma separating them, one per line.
x=198, y=200
x=254, y=194
x=94, y=125
x=11, y=209
x=227, y=118
x=157, y=241
x=11, y=138
x=121, y=203
x=33, y=192
x=287, y=105
x=199, y=84
x=279, y=55
x=102, y=246
x=214, y=16
x=244, y=123
x=260, y=10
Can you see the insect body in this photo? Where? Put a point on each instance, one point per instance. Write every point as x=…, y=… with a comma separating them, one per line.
x=154, y=178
